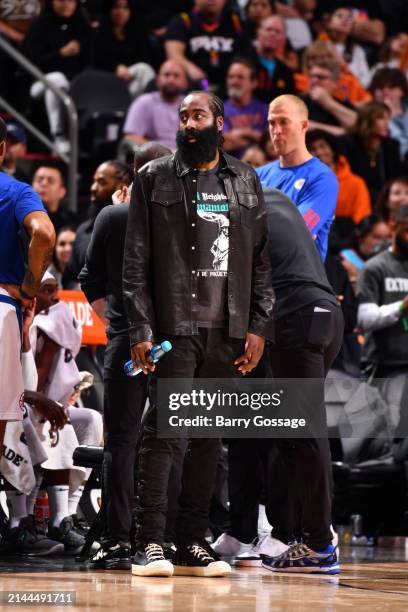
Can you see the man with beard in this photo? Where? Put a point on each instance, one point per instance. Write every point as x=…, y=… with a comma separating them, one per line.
x=382, y=292
x=154, y=116
x=108, y=178
x=214, y=318
x=246, y=118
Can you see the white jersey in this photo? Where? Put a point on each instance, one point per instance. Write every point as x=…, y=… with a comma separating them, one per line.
x=59, y=324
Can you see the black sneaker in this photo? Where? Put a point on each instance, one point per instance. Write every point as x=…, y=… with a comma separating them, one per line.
x=65, y=533
x=197, y=559
x=169, y=550
x=150, y=561
x=81, y=525
x=112, y=556
x=25, y=540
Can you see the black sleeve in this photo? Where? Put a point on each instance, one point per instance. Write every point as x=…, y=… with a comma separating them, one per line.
x=262, y=293
x=137, y=265
x=93, y=276
x=36, y=46
x=177, y=30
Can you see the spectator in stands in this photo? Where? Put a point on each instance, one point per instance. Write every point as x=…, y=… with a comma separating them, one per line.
x=245, y=117
x=389, y=85
x=339, y=31
x=122, y=46
x=205, y=40
x=371, y=153
x=49, y=183
x=348, y=88
x=62, y=253
x=354, y=199
x=255, y=156
x=255, y=12
x=274, y=78
x=383, y=310
x=15, y=19
x=393, y=195
x=325, y=112
x=59, y=44
x=108, y=178
x=154, y=116
x=369, y=236
x=393, y=54
x=16, y=148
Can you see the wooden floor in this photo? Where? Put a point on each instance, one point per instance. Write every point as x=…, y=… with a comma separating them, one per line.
x=371, y=579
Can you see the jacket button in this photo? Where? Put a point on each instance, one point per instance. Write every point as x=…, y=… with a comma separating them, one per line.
x=193, y=294
x=193, y=248
x=193, y=225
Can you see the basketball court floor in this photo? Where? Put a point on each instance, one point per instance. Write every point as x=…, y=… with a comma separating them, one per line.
x=371, y=579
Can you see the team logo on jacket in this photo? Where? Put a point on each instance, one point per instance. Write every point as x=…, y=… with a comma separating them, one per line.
x=299, y=184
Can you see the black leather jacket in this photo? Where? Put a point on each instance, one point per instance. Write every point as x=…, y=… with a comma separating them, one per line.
x=159, y=282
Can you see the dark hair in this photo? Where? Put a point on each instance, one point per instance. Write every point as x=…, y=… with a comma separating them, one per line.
x=367, y=225
x=245, y=62
x=366, y=118
x=314, y=135
x=3, y=130
x=389, y=77
x=53, y=166
x=401, y=214
x=271, y=3
x=147, y=152
x=381, y=207
x=122, y=171
x=384, y=54
x=66, y=228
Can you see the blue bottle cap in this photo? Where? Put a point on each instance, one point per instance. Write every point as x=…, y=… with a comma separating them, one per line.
x=166, y=346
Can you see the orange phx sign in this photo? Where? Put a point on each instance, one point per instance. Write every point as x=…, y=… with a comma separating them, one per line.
x=93, y=330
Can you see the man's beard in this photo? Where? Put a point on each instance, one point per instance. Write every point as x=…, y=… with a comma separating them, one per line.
x=204, y=149
x=402, y=246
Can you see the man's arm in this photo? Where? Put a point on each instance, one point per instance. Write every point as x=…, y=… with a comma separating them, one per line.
x=317, y=203
x=372, y=315
x=40, y=250
x=137, y=124
x=176, y=46
x=137, y=266
x=344, y=115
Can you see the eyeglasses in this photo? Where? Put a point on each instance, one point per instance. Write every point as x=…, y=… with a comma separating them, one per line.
x=320, y=77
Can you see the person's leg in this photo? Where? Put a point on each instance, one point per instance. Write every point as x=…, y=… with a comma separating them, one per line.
x=125, y=399
x=53, y=104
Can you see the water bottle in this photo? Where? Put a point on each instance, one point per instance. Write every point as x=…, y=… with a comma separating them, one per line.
x=156, y=352
x=42, y=512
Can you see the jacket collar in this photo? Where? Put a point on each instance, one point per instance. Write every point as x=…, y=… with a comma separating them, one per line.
x=226, y=163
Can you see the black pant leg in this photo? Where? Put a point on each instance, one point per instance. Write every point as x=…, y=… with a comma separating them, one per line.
x=124, y=400
x=305, y=348
x=200, y=463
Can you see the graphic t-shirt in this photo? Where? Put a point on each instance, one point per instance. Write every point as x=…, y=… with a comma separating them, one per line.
x=384, y=280
x=313, y=187
x=212, y=249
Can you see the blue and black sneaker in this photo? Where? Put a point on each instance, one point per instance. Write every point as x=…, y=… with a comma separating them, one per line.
x=301, y=558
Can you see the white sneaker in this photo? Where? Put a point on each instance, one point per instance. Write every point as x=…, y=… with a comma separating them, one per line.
x=229, y=547
x=335, y=541
x=267, y=546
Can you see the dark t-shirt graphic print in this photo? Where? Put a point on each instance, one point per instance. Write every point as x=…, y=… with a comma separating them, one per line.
x=213, y=247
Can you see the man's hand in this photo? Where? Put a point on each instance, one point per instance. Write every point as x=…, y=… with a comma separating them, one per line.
x=29, y=314
x=123, y=73
x=321, y=95
x=70, y=49
x=139, y=358
x=254, y=347
x=47, y=408
x=14, y=292
x=404, y=306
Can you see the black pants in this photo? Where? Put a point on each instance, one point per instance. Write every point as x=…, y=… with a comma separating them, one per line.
x=297, y=473
x=306, y=344
x=124, y=400
x=210, y=354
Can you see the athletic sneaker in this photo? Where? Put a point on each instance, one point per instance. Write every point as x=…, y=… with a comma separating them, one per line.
x=301, y=558
x=267, y=546
x=25, y=540
x=151, y=561
x=66, y=533
x=198, y=559
x=112, y=556
x=228, y=547
x=169, y=550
